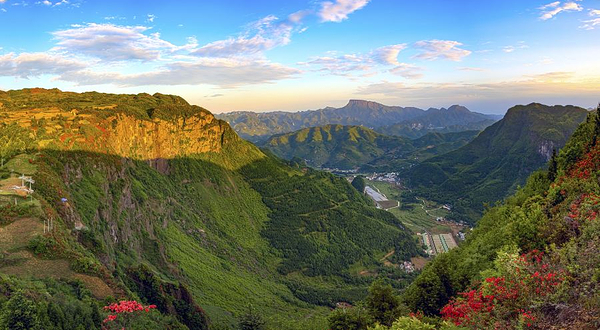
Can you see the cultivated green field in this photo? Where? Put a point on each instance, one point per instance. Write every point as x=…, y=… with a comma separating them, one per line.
x=414, y=215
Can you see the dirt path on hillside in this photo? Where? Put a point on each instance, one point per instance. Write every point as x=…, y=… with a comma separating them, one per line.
x=388, y=255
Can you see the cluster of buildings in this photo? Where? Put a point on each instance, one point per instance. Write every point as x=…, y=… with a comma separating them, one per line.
x=385, y=177
x=407, y=266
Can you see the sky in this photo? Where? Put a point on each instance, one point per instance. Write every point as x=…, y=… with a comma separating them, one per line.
x=293, y=55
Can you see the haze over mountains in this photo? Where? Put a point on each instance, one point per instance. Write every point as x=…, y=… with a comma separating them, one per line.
x=412, y=122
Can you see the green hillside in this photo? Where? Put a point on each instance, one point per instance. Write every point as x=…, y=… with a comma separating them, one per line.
x=531, y=262
x=498, y=160
x=357, y=147
x=554, y=225
x=165, y=204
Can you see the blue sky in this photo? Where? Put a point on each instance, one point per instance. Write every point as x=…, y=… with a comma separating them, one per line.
x=297, y=55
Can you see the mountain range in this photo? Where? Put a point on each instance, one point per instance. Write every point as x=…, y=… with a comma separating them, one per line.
x=411, y=122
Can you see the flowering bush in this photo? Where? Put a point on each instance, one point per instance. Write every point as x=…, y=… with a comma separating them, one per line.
x=587, y=165
x=501, y=301
x=585, y=207
x=122, y=313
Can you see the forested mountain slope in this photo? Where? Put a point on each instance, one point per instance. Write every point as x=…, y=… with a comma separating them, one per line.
x=358, y=147
x=498, y=160
x=153, y=199
x=532, y=261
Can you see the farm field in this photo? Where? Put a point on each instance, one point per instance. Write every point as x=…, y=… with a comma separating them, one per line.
x=418, y=217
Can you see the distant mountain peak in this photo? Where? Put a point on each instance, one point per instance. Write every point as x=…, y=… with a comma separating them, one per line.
x=363, y=104
x=459, y=108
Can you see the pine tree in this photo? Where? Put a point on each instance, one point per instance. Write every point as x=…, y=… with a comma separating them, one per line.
x=251, y=320
x=383, y=304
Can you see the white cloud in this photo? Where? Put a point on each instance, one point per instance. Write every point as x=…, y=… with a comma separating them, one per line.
x=260, y=36
x=339, y=11
x=28, y=65
x=440, y=49
x=466, y=68
x=592, y=23
x=408, y=71
x=388, y=54
x=341, y=65
x=226, y=73
x=366, y=64
x=150, y=18
x=512, y=48
x=111, y=42
x=552, y=9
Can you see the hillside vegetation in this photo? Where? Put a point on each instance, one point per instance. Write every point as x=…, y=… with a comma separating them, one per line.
x=498, y=160
x=156, y=200
x=531, y=262
x=358, y=147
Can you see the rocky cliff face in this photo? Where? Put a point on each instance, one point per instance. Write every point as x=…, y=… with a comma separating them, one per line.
x=142, y=139
x=158, y=127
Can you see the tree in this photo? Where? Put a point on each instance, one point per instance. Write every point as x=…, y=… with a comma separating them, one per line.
x=251, y=320
x=355, y=318
x=383, y=304
x=552, y=167
x=20, y=313
x=359, y=183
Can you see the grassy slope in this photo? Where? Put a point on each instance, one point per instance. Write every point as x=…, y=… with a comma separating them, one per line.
x=198, y=222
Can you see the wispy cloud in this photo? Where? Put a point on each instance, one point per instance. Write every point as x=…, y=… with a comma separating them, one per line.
x=340, y=9
x=512, y=48
x=388, y=54
x=111, y=42
x=552, y=9
x=30, y=65
x=592, y=23
x=408, y=71
x=226, y=73
x=262, y=35
x=467, y=68
x=365, y=64
x=440, y=49
x=342, y=65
